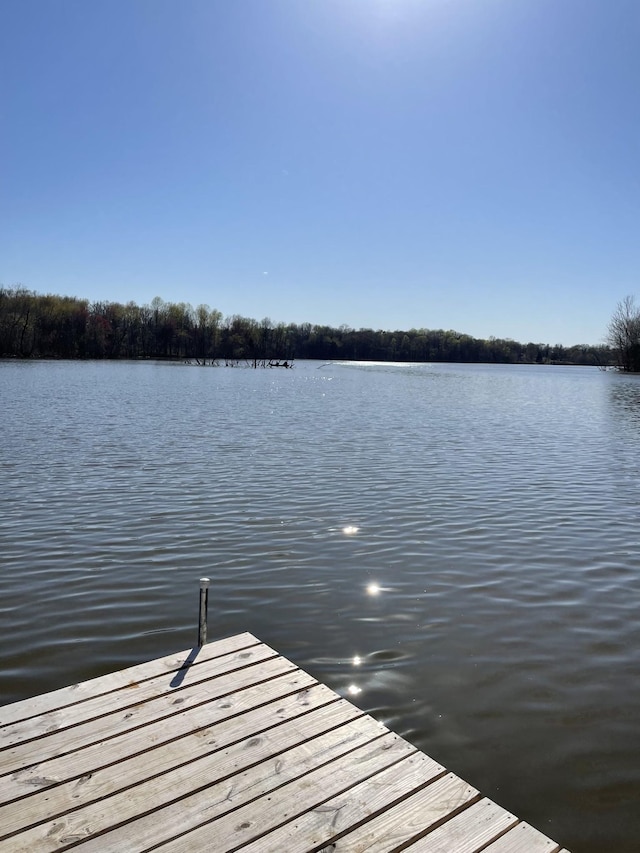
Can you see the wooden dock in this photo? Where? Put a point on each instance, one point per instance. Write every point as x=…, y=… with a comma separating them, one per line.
x=229, y=747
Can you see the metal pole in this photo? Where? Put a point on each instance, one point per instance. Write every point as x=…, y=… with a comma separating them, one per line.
x=204, y=603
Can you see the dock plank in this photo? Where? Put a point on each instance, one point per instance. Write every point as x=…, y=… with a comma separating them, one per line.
x=231, y=748
x=382, y=762
x=253, y=769
x=523, y=838
x=163, y=706
x=177, y=765
x=467, y=832
x=395, y=815
x=103, y=684
x=129, y=695
x=200, y=722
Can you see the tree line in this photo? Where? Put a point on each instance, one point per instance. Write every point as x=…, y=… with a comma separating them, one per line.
x=623, y=335
x=48, y=326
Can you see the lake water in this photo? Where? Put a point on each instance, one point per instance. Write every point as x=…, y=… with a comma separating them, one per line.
x=453, y=547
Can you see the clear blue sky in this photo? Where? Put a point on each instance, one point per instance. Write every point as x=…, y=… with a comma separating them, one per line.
x=459, y=164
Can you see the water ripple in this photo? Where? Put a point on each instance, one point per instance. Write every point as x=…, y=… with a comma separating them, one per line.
x=454, y=548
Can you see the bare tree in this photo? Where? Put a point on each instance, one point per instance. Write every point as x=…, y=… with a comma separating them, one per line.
x=623, y=334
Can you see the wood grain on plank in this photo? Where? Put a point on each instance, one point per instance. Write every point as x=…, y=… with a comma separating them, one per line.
x=187, y=761
x=164, y=706
x=132, y=695
x=393, y=805
x=523, y=838
x=282, y=804
x=467, y=832
x=288, y=696
x=115, y=680
x=235, y=788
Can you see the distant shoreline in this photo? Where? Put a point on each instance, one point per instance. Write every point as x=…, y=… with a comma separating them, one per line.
x=63, y=327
